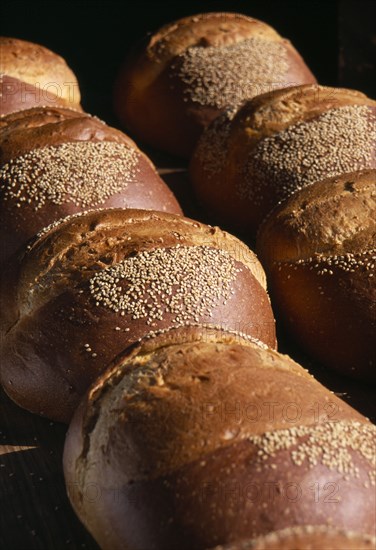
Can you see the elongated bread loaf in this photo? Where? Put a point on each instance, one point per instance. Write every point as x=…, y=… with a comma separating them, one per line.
x=192, y=440
x=86, y=288
x=56, y=162
x=249, y=160
x=319, y=251
x=189, y=71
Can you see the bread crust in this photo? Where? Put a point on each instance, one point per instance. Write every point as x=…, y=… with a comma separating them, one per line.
x=62, y=306
x=277, y=143
x=58, y=162
x=318, y=249
x=153, y=78
x=178, y=424
x=34, y=75
x=308, y=537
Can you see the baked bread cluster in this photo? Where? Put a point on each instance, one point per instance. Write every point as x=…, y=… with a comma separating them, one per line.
x=250, y=159
x=153, y=334
x=189, y=71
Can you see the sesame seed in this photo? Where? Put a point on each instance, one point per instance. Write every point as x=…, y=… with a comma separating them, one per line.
x=338, y=141
x=349, y=262
x=187, y=282
x=227, y=75
x=83, y=173
x=211, y=151
x=329, y=444
x=284, y=534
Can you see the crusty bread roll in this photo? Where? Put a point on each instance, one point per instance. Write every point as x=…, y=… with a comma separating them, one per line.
x=191, y=442
x=57, y=162
x=190, y=70
x=246, y=162
x=318, y=249
x=308, y=537
x=32, y=75
x=86, y=288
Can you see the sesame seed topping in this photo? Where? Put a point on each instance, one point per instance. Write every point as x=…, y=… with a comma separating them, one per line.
x=212, y=146
x=299, y=530
x=227, y=75
x=187, y=282
x=83, y=173
x=350, y=262
x=329, y=444
x=338, y=141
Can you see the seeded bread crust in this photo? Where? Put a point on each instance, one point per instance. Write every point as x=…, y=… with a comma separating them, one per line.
x=156, y=79
x=247, y=162
x=34, y=75
x=183, y=436
x=318, y=249
x=114, y=276
x=307, y=537
x=57, y=162
x=46, y=127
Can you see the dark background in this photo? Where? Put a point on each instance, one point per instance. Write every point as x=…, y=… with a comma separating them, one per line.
x=335, y=37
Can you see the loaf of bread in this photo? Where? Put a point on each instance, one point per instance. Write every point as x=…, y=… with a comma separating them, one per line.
x=56, y=162
x=192, y=440
x=87, y=287
x=319, y=251
x=248, y=161
x=190, y=70
x=308, y=537
x=32, y=75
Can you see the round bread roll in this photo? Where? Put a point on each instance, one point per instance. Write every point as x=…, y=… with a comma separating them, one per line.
x=307, y=537
x=318, y=249
x=32, y=75
x=190, y=70
x=89, y=286
x=247, y=162
x=56, y=162
x=188, y=443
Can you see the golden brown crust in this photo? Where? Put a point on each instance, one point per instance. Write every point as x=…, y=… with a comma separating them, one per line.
x=38, y=66
x=318, y=248
x=278, y=143
x=191, y=70
x=72, y=281
x=201, y=427
x=45, y=127
x=327, y=218
x=273, y=112
x=37, y=116
x=58, y=162
x=203, y=368
x=307, y=537
x=211, y=29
